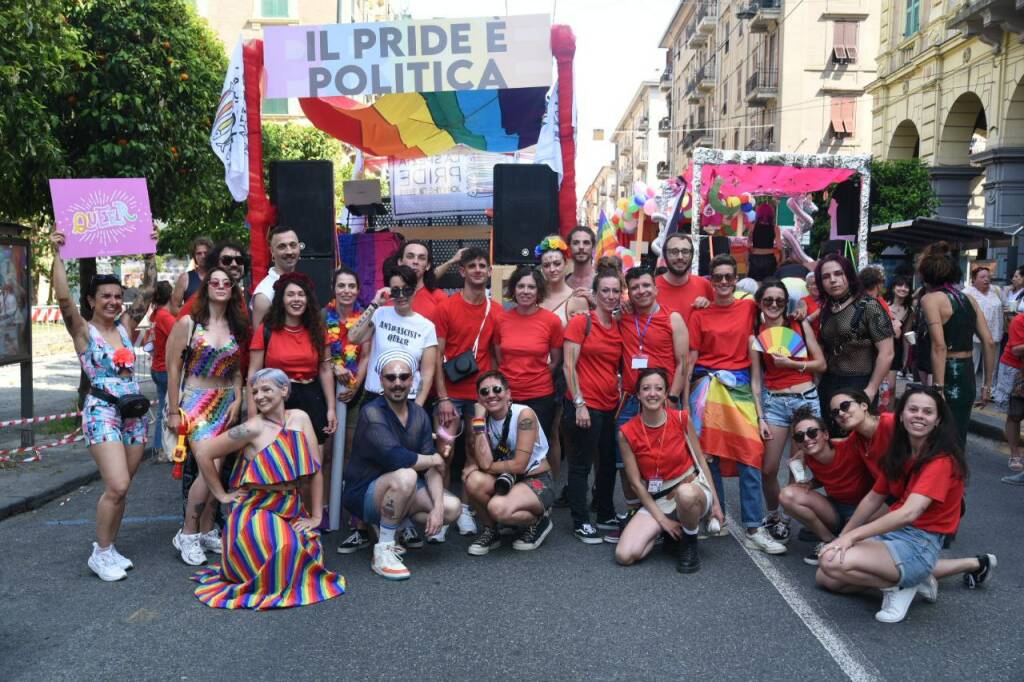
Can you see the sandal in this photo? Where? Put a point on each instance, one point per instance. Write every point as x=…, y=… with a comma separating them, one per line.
x=1016, y=463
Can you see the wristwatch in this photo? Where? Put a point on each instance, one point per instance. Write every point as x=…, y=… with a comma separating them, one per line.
x=578, y=401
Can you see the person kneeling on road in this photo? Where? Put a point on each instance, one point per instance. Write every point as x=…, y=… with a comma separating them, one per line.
x=667, y=469
x=511, y=483
x=390, y=476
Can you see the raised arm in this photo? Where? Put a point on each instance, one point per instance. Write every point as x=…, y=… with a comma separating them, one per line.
x=178, y=293
x=73, y=319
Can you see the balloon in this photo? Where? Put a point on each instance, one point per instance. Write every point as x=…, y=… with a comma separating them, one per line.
x=633, y=209
x=746, y=207
x=616, y=219
x=751, y=215
x=626, y=256
x=639, y=188
x=732, y=202
x=715, y=201
x=622, y=204
x=651, y=193
x=651, y=206
x=639, y=199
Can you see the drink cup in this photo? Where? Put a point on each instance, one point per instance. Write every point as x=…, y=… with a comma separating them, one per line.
x=911, y=337
x=799, y=471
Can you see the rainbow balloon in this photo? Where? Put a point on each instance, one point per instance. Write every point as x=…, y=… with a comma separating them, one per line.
x=782, y=341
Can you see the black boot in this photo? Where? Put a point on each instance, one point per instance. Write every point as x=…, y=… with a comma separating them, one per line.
x=689, y=556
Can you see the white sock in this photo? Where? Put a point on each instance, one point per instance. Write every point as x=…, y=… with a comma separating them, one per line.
x=387, y=533
x=103, y=550
x=689, y=531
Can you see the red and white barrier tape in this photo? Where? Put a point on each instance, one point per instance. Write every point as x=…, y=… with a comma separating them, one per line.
x=49, y=314
x=37, y=420
x=5, y=455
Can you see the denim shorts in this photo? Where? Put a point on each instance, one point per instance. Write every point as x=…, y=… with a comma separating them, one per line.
x=779, y=408
x=914, y=551
x=371, y=514
x=843, y=511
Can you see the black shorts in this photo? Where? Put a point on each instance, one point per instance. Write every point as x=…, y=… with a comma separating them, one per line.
x=761, y=265
x=544, y=408
x=310, y=399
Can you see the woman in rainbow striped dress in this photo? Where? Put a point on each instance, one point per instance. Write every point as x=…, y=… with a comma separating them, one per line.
x=204, y=381
x=272, y=555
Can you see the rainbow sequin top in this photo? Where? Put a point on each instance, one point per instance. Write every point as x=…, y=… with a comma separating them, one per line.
x=287, y=458
x=208, y=361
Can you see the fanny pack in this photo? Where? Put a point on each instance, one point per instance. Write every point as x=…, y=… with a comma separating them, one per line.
x=129, y=406
x=463, y=365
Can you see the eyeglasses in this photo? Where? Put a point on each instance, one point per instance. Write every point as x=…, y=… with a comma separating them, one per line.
x=402, y=292
x=488, y=390
x=777, y=302
x=722, y=278
x=678, y=252
x=392, y=378
x=220, y=283
x=811, y=433
x=232, y=260
x=843, y=407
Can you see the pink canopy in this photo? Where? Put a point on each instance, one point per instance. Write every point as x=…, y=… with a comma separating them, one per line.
x=763, y=179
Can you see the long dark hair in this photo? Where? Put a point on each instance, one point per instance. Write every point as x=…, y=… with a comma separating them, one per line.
x=234, y=312
x=852, y=280
x=943, y=440
x=310, y=318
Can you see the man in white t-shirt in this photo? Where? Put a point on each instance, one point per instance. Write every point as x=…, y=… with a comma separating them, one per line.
x=285, y=250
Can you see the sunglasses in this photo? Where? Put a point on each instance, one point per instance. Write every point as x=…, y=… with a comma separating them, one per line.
x=220, y=283
x=843, y=407
x=776, y=302
x=722, y=278
x=488, y=390
x=810, y=433
x=232, y=260
x=392, y=378
x=402, y=292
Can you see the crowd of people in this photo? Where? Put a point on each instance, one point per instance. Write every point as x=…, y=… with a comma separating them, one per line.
x=460, y=409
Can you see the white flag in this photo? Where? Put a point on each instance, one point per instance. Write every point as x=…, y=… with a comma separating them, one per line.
x=549, y=148
x=230, y=135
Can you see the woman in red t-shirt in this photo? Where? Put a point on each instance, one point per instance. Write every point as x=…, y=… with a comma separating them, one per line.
x=924, y=470
x=671, y=480
x=781, y=385
x=296, y=344
x=869, y=434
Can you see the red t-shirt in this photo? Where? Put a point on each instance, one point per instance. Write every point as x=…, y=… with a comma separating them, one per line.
x=873, y=451
x=657, y=345
x=680, y=297
x=1016, y=339
x=525, y=342
x=812, y=307
x=721, y=334
x=457, y=323
x=781, y=378
x=598, y=362
x=425, y=302
x=846, y=478
x=163, y=322
x=661, y=452
x=938, y=480
x=291, y=351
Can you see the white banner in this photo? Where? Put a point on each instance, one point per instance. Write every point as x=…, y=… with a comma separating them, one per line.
x=229, y=136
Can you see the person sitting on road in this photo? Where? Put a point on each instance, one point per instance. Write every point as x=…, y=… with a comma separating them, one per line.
x=840, y=472
x=272, y=557
x=869, y=434
x=924, y=469
x=670, y=478
x=394, y=471
x=511, y=483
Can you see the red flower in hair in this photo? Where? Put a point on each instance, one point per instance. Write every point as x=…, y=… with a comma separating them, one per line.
x=293, y=278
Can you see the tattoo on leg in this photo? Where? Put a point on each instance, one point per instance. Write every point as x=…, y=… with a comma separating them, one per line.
x=389, y=506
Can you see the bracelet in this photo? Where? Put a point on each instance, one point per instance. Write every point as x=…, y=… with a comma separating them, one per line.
x=444, y=399
x=803, y=368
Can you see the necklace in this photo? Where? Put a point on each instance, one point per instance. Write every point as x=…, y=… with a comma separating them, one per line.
x=664, y=418
x=837, y=304
x=266, y=418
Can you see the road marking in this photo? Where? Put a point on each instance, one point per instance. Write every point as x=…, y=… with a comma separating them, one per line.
x=131, y=520
x=854, y=664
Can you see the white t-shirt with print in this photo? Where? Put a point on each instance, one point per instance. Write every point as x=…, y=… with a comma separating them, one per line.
x=412, y=334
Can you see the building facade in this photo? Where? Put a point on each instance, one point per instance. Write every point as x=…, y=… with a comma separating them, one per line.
x=640, y=153
x=950, y=91
x=600, y=195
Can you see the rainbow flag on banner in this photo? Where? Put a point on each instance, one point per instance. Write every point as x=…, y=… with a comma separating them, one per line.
x=607, y=240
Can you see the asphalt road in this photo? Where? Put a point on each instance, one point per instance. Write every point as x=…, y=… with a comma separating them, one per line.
x=565, y=611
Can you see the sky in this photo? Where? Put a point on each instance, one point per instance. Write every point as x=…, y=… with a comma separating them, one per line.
x=616, y=49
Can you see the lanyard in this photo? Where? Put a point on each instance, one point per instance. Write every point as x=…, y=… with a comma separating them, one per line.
x=656, y=453
x=642, y=334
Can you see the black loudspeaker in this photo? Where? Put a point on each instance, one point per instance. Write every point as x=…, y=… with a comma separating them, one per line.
x=303, y=192
x=320, y=271
x=525, y=210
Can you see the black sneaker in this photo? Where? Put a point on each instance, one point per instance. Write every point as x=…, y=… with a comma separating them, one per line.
x=587, y=534
x=562, y=501
x=485, y=542
x=354, y=542
x=410, y=537
x=611, y=523
x=689, y=555
x=975, y=578
x=812, y=557
x=533, y=536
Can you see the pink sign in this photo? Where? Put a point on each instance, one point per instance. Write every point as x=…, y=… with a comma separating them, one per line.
x=103, y=217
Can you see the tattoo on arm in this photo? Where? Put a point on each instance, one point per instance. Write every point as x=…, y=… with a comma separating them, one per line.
x=240, y=432
x=527, y=424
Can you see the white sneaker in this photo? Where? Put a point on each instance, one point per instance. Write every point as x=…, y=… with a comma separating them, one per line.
x=124, y=562
x=466, y=522
x=104, y=564
x=386, y=562
x=929, y=589
x=762, y=541
x=895, y=602
x=190, y=548
x=440, y=536
x=211, y=542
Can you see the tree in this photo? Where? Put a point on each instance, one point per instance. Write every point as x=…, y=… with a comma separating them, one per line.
x=900, y=190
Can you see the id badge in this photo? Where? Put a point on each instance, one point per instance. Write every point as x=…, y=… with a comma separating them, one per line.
x=654, y=485
x=638, y=362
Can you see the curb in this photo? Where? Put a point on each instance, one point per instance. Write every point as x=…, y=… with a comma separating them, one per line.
x=986, y=429
x=36, y=500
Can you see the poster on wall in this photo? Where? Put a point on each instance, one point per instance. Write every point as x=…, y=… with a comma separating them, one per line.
x=15, y=305
x=458, y=182
x=103, y=217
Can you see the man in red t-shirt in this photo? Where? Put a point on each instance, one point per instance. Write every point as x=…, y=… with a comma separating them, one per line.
x=428, y=297
x=162, y=321
x=728, y=427
x=678, y=289
x=1011, y=363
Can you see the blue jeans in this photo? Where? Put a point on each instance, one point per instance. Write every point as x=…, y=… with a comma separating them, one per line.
x=160, y=379
x=630, y=408
x=751, y=499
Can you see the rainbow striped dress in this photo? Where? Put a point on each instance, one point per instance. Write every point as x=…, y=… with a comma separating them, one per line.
x=267, y=564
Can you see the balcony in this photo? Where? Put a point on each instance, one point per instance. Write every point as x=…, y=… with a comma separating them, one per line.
x=697, y=137
x=663, y=170
x=692, y=93
x=767, y=14
x=665, y=82
x=695, y=39
x=989, y=19
x=706, y=76
x=762, y=87
x=664, y=127
x=706, y=19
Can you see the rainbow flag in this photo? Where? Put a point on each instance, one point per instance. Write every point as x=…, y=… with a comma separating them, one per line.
x=606, y=237
x=726, y=420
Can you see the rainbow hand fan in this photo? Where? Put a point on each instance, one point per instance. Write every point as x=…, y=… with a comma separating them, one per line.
x=781, y=341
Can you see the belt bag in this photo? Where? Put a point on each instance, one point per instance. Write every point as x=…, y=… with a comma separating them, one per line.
x=463, y=365
x=129, y=406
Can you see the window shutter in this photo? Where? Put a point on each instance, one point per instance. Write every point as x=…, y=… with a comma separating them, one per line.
x=851, y=41
x=837, y=117
x=839, y=42
x=850, y=115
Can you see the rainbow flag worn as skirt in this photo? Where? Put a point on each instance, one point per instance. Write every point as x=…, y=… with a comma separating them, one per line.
x=725, y=418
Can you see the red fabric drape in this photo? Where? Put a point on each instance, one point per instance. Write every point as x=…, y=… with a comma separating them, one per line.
x=261, y=213
x=563, y=47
